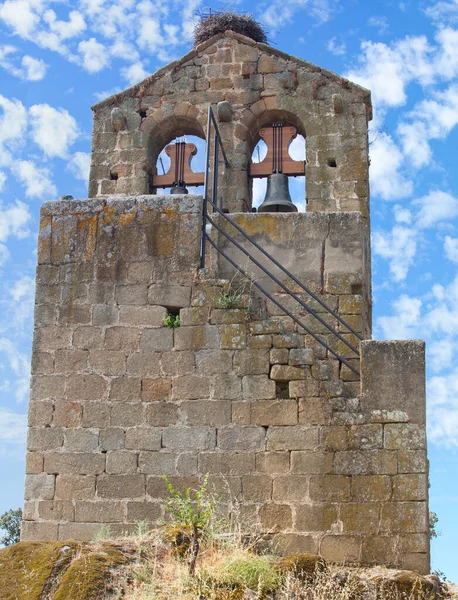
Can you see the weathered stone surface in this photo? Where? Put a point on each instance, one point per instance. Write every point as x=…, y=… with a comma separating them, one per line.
x=241, y=439
x=258, y=387
x=39, y=487
x=274, y=412
x=121, y=486
x=189, y=438
x=292, y=438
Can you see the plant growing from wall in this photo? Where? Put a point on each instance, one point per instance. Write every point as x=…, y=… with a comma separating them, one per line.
x=192, y=510
x=172, y=321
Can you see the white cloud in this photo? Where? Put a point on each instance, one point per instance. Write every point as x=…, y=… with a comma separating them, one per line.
x=79, y=165
x=13, y=427
x=22, y=289
x=403, y=325
x=21, y=15
x=399, y=247
x=37, y=181
x=451, y=248
x=134, y=73
x=14, y=220
x=13, y=124
x=2, y=180
x=435, y=207
x=19, y=364
x=95, y=56
x=337, y=47
x=4, y=254
x=443, y=11
x=34, y=68
x=65, y=29
x=53, y=129
x=386, y=161
x=22, y=294
x=402, y=214
x=380, y=23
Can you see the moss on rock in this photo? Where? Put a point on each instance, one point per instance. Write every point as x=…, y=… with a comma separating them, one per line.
x=59, y=570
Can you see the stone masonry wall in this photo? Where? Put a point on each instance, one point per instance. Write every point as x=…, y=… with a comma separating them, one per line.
x=263, y=86
x=118, y=400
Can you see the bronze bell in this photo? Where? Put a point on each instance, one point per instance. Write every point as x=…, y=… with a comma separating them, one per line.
x=178, y=188
x=277, y=196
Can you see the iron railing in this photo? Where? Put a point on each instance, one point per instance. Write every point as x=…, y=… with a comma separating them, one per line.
x=211, y=200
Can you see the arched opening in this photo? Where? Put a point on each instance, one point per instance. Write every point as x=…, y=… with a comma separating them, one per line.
x=175, y=142
x=296, y=183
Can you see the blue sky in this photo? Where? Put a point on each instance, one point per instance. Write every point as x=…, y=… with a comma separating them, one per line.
x=58, y=58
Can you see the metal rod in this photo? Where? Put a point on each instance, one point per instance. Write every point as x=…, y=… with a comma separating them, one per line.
x=290, y=275
x=284, y=287
x=215, y=124
x=204, y=202
x=285, y=310
x=215, y=171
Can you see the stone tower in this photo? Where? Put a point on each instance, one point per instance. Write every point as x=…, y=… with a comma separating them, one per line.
x=316, y=429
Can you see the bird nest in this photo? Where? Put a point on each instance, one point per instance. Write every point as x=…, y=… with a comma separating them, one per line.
x=214, y=23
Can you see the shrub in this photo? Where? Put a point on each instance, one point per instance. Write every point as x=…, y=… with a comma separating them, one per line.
x=10, y=522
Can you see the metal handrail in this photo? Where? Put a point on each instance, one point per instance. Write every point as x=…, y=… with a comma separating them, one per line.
x=283, y=308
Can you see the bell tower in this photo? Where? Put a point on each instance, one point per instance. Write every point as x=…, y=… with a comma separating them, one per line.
x=271, y=383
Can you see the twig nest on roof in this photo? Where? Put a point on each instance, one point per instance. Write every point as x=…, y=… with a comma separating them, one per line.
x=219, y=22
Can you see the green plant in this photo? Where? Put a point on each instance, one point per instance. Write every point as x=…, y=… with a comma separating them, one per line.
x=433, y=520
x=172, y=321
x=142, y=529
x=229, y=299
x=10, y=522
x=249, y=570
x=104, y=533
x=193, y=510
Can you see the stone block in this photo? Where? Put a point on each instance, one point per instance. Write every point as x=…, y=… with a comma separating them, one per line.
x=275, y=517
x=45, y=387
x=233, y=337
x=260, y=341
x=371, y=488
x=256, y=488
x=299, y=437
x=156, y=487
x=156, y=389
x=143, y=438
x=201, y=337
x=214, y=362
x=126, y=339
x=127, y=414
x=252, y=362
x=146, y=316
x=144, y=511
x=81, y=440
x=360, y=517
x=378, y=550
x=72, y=463
x=111, y=438
x=121, y=486
x=241, y=413
x=194, y=316
x=125, y=389
x=300, y=356
x=75, y=487
x=191, y=387
x=33, y=463
x=44, y=438
x=330, y=488
x=258, y=387
x=161, y=414
x=144, y=364
x=99, y=512
x=365, y=437
x=419, y=563
x=104, y=315
x=290, y=488
x=42, y=362
x=31, y=531
x=66, y=361
x=136, y=293
x=273, y=462
x=95, y=414
x=241, y=439
x=157, y=463
x=274, y=412
x=304, y=388
x=158, y=339
x=410, y=487
x=367, y=462
x=311, y=463
x=78, y=531
x=86, y=387
x=405, y=436
x=290, y=340
x=226, y=463
x=206, y=412
x=56, y=510
x=171, y=296
x=341, y=549
x=315, y=411
x=88, y=338
x=121, y=462
x=189, y=438
x=226, y=387
x=279, y=356
x=334, y=438
x=317, y=517
x=388, y=366
x=412, y=461
x=108, y=362
x=39, y=486
x=404, y=517
x=53, y=338
x=178, y=363
x=67, y=414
